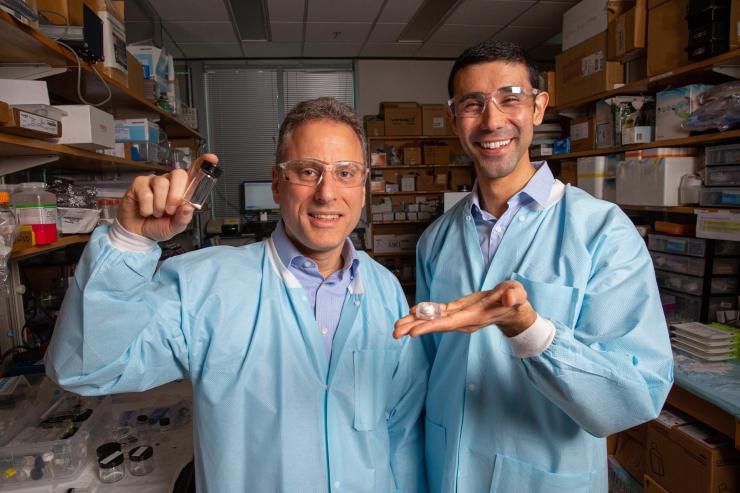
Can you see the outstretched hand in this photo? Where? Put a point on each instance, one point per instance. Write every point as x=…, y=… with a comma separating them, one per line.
x=506, y=305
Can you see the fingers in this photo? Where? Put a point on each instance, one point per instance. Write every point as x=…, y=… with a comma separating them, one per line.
x=178, y=184
x=159, y=195
x=182, y=217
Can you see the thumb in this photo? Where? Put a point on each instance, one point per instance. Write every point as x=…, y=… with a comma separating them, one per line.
x=182, y=217
x=515, y=295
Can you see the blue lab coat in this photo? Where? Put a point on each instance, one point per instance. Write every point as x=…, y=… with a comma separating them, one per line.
x=497, y=423
x=272, y=413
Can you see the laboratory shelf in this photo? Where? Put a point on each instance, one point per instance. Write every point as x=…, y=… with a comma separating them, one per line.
x=62, y=242
x=23, y=44
x=655, y=208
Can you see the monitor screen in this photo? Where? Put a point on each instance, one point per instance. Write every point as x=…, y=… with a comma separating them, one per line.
x=258, y=196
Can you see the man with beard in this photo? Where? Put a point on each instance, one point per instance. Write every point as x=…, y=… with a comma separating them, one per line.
x=559, y=338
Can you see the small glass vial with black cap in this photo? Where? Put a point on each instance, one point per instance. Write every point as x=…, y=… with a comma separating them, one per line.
x=141, y=460
x=201, y=183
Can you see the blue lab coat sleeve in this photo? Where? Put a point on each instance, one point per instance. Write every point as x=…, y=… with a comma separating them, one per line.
x=613, y=368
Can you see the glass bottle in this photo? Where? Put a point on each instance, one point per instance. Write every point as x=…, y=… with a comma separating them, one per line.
x=141, y=460
x=201, y=183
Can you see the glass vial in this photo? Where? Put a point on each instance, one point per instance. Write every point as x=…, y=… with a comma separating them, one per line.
x=201, y=183
x=141, y=460
x=110, y=462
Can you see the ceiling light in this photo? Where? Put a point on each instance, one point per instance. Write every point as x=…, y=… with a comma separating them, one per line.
x=251, y=19
x=429, y=16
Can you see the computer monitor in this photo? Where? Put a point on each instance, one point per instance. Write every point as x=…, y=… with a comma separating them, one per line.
x=258, y=196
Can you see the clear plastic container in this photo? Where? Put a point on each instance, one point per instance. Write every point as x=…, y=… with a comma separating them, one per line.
x=726, y=247
x=141, y=460
x=680, y=307
x=695, y=247
x=677, y=263
x=36, y=207
x=724, y=154
x=720, y=197
x=717, y=303
x=724, y=285
x=110, y=462
x=722, y=176
x=725, y=266
x=679, y=282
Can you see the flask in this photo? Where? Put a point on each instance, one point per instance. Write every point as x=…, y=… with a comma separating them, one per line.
x=201, y=183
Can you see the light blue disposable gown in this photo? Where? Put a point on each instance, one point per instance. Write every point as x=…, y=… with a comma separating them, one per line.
x=271, y=412
x=501, y=424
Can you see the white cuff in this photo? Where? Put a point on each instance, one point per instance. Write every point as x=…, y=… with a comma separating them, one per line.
x=121, y=238
x=534, y=339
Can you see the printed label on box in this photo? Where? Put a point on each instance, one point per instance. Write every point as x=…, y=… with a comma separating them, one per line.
x=592, y=64
x=438, y=122
x=579, y=131
x=38, y=123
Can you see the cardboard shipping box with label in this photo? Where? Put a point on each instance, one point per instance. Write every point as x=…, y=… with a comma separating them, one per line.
x=401, y=118
x=583, y=70
x=582, y=134
x=627, y=33
x=27, y=124
x=434, y=120
x=374, y=126
x=668, y=37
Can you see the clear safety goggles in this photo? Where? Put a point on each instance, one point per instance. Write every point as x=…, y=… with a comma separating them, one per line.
x=509, y=99
x=309, y=172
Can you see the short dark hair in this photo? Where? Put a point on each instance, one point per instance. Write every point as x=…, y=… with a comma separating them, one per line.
x=324, y=108
x=492, y=51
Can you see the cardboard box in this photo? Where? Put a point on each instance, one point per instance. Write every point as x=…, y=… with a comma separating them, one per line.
x=434, y=120
x=87, y=127
x=23, y=92
x=582, y=134
x=673, y=107
x=668, y=37
x=583, y=70
x=691, y=458
x=412, y=155
x=652, y=486
x=390, y=176
x=627, y=33
x=6, y=113
x=137, y=130
x=604, y=125
x=637, y=135
x=547, y=83
x=582, y=21
x=27, y=124
x=408, y=183
x=378, y=159
x=374, y=126
x=386, y=243
x=735, y=25
x=425, y=183
x=155, y=63
x=71, y=9
x=460, y=177
x=436, y=153
x=135, y=78
x=401, y=118
x=620, y=481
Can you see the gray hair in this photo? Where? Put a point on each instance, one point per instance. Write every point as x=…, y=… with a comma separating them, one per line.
x=324, y=108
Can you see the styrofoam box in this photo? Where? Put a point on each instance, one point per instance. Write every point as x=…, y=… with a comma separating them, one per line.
x=597, y=176
x=16, y=91
x=87, y=127
x=653, y=181
x=583, y=21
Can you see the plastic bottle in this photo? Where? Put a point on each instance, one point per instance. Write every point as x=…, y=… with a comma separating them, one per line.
x=8, y=231
x=38, y=208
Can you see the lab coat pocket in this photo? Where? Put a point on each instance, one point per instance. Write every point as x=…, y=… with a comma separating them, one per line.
x=373, y=385
x=553, y=301
x=435, y=448
x=510, y=474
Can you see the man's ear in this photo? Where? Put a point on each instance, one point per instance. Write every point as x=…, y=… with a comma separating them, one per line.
x=275, y=188
x=540, y=105
x=451, y=118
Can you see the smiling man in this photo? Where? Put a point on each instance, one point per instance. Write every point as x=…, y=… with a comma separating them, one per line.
x=559, y=338
x=298, y=385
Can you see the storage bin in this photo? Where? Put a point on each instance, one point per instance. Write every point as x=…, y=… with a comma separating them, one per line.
x=720, y=197
x=722, y=176
x=725, y=266
x=724, y=154
x=679, y=282
x=723, y=247
x=677, y=263
x=677, y=244
x=723, y=285
x=680, y=307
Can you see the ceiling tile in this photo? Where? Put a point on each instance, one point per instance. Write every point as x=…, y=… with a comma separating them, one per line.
x=389, y=50
x=386, y=33
x=344, y=11
x=543, y=14
x=201, y=32
x=285, y=10
x=272, y=50
x=526, y=37
x=435, y=50
x=211, y=50
x=190, y=10
x=459, y=34
x=399, y=11
x=331, y=49
x=488, y=13
x=286, y=32
x=326, y=32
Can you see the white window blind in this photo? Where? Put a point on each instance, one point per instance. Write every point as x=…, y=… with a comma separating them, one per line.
x=244, y=108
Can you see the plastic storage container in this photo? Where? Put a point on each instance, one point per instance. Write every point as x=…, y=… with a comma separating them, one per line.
x=679, y=282
x=36, y=207
x=677, y=244
x=724, y=285
x=51, y=442
x=720, y=197
x=677, y=263
x=720, y=155
x=680, y=307
x=724, y=247
x=725, y=266
x=110, y=462
x=722, y=176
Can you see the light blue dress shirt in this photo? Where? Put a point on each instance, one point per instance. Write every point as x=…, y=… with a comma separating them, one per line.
x=491, y=229
x=326, y=296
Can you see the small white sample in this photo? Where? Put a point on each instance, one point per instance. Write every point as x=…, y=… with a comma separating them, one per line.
x=428, y=310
